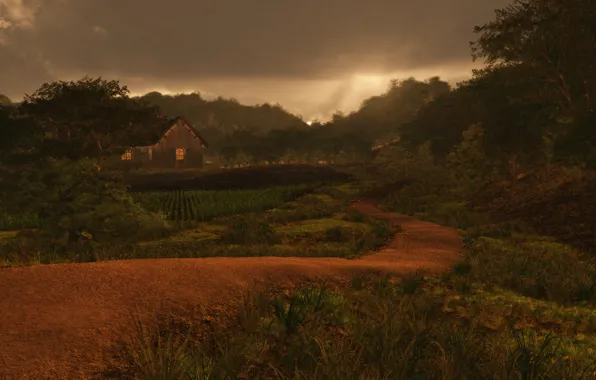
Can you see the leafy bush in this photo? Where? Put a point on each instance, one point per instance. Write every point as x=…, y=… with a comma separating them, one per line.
x=246, y=230
x=74, y=202
x=535, y=267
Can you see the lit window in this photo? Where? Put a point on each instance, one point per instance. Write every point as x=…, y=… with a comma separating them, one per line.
x=127, y=155
x=150, y=151
x=180, y=154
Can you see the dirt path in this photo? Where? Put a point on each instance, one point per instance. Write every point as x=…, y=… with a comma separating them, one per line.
x=56, y=319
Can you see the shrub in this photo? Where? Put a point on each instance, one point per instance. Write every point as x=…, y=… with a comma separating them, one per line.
x=535, y=267
x=245, y=230
x=73, y=203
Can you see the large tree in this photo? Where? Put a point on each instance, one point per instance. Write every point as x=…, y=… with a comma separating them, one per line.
x=555, y=42
x=555, y=38
x=90, y=118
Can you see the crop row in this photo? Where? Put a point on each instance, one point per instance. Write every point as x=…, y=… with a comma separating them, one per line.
x=203, y=205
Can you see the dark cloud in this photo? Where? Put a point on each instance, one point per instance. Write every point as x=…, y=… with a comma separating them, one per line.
x=182, y=43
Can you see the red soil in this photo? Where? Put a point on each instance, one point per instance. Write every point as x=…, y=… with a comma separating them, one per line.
x=58, y=321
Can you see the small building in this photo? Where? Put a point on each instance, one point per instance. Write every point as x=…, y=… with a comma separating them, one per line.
x=181, y=146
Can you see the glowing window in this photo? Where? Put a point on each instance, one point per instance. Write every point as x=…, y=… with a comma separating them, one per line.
x=150, y=153
x=127, y=155
x=180, y=154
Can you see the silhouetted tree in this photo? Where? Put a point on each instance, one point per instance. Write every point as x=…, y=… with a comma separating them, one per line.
x=90, y=118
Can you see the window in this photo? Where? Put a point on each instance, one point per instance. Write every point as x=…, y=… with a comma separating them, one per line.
x=180, y=154
x=127, y=155
x=150, y=153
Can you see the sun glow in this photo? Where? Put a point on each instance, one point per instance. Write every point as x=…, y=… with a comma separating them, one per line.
x=371, y=81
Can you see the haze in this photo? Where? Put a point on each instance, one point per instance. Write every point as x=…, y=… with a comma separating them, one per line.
x=312, y=56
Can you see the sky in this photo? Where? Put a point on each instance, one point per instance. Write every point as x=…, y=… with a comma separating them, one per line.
x=313, y=57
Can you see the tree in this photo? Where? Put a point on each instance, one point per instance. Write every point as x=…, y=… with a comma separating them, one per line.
x=60, y=132
x=20, y=138
x=468, y=160
x=555, y=38
x=555, y=41
x=90, y=118
x=514, y=119
x=73, y=201
x=441, y=121
x=5, y=100
x=386, y=113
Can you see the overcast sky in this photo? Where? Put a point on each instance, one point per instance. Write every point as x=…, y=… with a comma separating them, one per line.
x=311, y=56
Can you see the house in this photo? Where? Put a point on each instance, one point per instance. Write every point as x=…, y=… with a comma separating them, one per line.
x=181, y=146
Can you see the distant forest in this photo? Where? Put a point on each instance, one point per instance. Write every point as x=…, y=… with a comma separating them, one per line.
x=252, y=134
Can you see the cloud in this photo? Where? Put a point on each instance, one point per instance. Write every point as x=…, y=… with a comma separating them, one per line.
x=5, y=24
x=289, y=46
x=99, y=30
x=18, y=13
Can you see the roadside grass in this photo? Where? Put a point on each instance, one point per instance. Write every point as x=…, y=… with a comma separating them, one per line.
x=317, y=224
x=517, y=306
x=374, y=328
x=507, y=254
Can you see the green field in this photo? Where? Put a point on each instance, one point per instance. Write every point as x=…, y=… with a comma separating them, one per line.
x=8, y=222
x=308, y=220
x=203, y=205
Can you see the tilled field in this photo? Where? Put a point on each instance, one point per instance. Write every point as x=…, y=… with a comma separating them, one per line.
x=244, y=178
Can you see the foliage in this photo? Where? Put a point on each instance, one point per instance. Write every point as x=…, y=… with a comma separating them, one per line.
x=554, y=38
x=553, y=42
x=73, y=201
x=5, y=100
x=200, y=205
x=533, y=267
x=468, y=160
x=379, y=328
x=241, y=135
x=303, y=227
x=19, y=138
x=90, y=118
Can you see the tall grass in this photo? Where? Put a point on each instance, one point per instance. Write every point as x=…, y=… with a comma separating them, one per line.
x=376, y=329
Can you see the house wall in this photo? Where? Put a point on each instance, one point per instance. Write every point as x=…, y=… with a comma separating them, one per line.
x=178, y=137
x=164, y=152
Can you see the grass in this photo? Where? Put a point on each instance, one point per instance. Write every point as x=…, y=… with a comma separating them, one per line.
x=204, y=205
x=375, y=328
x=314, y=225
x=517, y=306
x=183, y=206
x=317, y=224
x=8, y=222
x=485, y=319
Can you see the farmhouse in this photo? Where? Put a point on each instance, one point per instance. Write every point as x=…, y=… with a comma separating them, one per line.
x=181, y=146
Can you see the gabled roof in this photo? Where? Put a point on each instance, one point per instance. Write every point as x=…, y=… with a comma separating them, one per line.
x=171, y=124
x=192, y=129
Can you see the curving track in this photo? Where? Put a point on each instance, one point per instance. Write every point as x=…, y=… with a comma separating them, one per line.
x=56, y=321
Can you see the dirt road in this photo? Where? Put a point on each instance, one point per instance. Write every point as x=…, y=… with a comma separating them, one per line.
x=56, y=321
